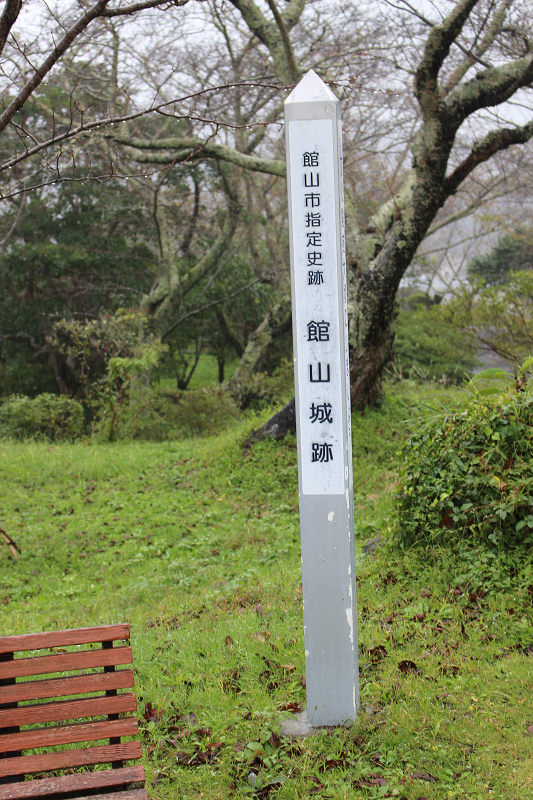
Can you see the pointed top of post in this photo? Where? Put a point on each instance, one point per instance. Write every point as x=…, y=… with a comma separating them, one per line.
x=311, y=89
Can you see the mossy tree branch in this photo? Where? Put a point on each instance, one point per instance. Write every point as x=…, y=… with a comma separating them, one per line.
x=192, y=148
x=274, y=35
x=492, y=143
x=436, y=51
x=164, y=301
x=493, y=29
x=491, y=88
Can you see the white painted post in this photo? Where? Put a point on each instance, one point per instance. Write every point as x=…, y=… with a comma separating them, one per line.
x=313, y=135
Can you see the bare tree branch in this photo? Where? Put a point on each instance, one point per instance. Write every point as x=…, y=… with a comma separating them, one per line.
x=98, y=10
x=85, y=127
x=209, y=305
x=8, y=19
x=471, y=57
x=126, y=11
x=15, y=221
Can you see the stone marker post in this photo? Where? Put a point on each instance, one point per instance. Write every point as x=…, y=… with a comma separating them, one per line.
x=313, y=135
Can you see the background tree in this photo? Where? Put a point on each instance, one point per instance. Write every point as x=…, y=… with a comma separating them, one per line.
x=474, y=59
x=512, y=253
x=416, y=160
x=78, y=253
x=250, y=138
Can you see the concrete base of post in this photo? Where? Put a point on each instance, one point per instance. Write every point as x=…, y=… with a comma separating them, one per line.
x=299, y=728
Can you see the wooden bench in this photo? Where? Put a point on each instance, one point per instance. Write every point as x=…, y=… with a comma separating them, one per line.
x=91, y=718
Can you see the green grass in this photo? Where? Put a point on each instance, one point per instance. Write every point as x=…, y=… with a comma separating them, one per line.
x=196, y=544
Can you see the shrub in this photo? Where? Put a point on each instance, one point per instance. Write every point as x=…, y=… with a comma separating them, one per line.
x=467, y=475
x=47, y=416
x=261, y=390
x=164, y=413
x=498, y=319
x=429, y=349
x=108, y=354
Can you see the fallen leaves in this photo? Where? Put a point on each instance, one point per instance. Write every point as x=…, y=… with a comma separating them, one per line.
x=205, y=754
x=408, y=667
x=265, y=790
x=389, y=579
x=339, y=762
x=190, y=744
x=450, y=670
x=505, y=652
x=423, y=776
x=230, y=681
x=152, y=714
x=317, y=785
x=377, y=654
x=373, y=779
x=290, y=705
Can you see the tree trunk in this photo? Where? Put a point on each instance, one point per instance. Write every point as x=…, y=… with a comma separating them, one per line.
x=373, y=332
x=278, y=426
x=229, y=335
x=67, y=381
x=276, y=324
x=166, y=302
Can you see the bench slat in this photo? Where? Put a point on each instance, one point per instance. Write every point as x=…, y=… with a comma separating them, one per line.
x=71, y=783
x=35, y=641
x=63, y=662
x=68, y=734
x=70, y=758
x=67, y=710
x=62, y=687
x=129, y=794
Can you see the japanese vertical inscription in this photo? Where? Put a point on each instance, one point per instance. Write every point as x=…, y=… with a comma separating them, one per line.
x=316, y=310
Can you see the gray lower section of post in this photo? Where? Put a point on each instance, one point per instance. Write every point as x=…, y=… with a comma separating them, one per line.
x=330, y=614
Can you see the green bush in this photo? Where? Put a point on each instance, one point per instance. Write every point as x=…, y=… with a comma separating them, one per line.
x=467, y=476
x=262, y=390
x=163, y=413
x=108, y=354
x=429, y=349
x=497, y=319
x=47, y=416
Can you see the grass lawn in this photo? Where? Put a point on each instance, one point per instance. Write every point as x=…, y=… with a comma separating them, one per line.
x=196, y=544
